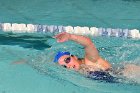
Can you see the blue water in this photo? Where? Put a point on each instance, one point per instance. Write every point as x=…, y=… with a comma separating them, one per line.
x=100, y=13
x=34, y=71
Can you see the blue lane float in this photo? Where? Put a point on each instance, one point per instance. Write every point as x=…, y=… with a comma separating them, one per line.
x=33, y=28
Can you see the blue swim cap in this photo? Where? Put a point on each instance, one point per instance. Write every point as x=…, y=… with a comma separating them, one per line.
x=60, y=54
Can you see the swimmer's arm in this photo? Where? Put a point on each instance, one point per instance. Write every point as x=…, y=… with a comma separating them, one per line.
x=91, y=52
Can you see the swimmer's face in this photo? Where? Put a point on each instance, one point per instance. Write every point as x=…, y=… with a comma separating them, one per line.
x=69, y=61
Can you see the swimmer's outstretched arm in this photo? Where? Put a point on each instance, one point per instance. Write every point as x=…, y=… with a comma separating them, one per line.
x=91, y=52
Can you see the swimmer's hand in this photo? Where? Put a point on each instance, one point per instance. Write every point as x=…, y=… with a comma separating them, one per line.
x=62, y=37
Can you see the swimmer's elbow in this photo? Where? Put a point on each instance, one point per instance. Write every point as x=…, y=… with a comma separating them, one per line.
x=88, y=42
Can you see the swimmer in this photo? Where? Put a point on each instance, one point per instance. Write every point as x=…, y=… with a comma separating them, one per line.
x=92, y=62
x=91, y=57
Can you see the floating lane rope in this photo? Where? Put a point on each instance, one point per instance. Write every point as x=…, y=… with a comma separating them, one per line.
x=33, y=28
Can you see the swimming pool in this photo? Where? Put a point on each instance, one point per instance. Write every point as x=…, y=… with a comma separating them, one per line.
x=37, y=50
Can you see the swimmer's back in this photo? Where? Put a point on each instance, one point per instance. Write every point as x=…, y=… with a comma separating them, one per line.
x=97, y=74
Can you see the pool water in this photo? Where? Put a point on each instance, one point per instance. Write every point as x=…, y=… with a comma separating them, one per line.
x=99, y=13
x=26, y=59
x=27, y=68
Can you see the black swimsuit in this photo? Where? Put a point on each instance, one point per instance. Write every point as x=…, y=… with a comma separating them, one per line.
x=103, y=76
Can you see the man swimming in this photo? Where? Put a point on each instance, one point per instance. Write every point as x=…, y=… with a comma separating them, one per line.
x=92, y=63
